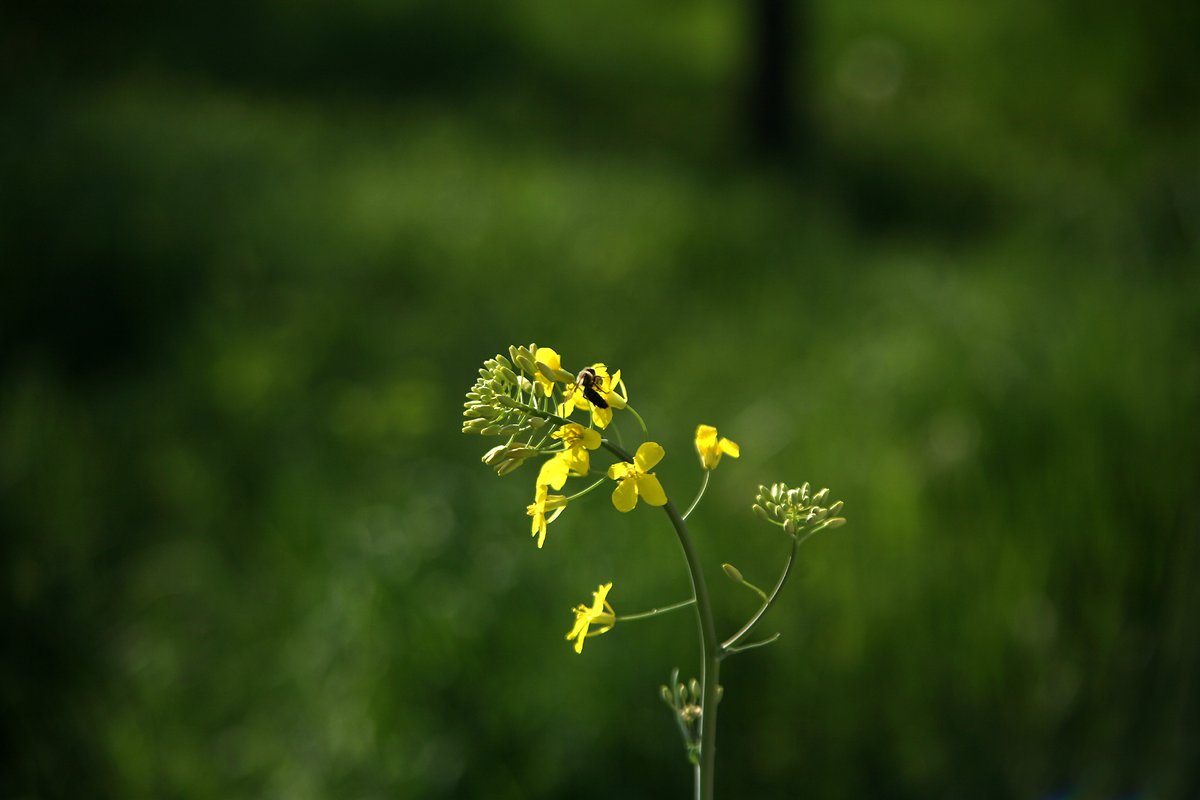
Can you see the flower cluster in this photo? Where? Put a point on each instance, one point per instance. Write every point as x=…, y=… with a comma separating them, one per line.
x=796, y=511
x=529, y=400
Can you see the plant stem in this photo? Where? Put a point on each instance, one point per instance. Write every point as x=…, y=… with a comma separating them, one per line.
x=699, y=494
x=654, y=612
x=728, y=644
x=711, y=667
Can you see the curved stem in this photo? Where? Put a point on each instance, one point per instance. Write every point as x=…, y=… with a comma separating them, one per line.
x=654, y=612
x=696, y=502
x=770, y=601
x=582, y=492
x=711, y=669
x=642, y=422
x=761, y=643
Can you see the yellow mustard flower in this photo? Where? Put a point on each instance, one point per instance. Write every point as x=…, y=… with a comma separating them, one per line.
x=711, y=449
x=606, y=386
x=578, y=441
x=555, y=471
x=551, y=358
x=600, y=614
x=544, y=502
x=634, y=480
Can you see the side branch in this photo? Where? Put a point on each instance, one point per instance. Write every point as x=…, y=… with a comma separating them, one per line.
x=728, y=646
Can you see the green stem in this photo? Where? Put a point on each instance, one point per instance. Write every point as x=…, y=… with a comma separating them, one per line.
x=654, y=612
x=582, y=492
x=728, y=645
x=642, y=422
x=696, y=502
x=752, y=645
x=711, y=668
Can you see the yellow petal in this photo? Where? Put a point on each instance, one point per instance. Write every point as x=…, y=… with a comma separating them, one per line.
x=651, y=490
x=618, y=470
x=601, y=417
x=729, y=448
x=624, y=497
x=553, y=472
x=706, y=435
x=549, y=357
x=590, y=438
x=649, y=454
x=577, y=461
x=601, y=595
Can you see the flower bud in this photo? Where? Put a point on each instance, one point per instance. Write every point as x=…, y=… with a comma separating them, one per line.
x=789, y=527
x=495, y=455
x=760, y=512
x=509, y=466
x=507, y=375
x=694, y=687
x=820, y=496
x=835, y=508
x=665, y=693
x=733, y=572
x=526, y=363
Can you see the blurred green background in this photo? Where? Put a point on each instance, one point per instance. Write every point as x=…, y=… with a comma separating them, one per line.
x=939, y=257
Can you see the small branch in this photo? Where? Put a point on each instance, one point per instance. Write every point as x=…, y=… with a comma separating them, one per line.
x=733, y=640
x=761, y=643
x=654, y=612
x=696, y=502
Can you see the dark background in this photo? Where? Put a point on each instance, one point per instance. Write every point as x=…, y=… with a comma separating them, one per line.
x=940, y=257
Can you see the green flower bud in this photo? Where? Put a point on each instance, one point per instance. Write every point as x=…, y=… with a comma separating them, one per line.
x=820, y=496
x=665, y=693
x=760, y=512
x=789, y=527
x=733, y=572
x=835, y=508
x=694, y=687
x=495, y=455
x=563, y=376
x=526, y=363
x=507, y=375
x=509, y=466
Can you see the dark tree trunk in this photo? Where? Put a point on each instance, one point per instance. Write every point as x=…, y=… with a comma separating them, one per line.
x=777, y=89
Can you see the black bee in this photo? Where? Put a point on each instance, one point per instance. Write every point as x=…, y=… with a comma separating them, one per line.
x=587, y=381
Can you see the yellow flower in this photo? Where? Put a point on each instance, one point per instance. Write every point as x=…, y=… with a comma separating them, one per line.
x=578, y=440
x=600, y=614
x=543, y=501
x=634, y=480
x=551, y=359
x=710, y=449
x=606, y=387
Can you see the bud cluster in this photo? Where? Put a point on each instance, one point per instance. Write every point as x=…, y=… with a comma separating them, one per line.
x=795, y=510
x=685, y=700
x=513, y=397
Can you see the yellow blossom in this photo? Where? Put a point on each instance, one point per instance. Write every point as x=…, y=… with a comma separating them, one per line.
x=600, y=614
x=555, y=471
x=606, y=386
x=551, y=359
x=543, y=501
x=711, y=449
x=634, y=480
x=578, y=441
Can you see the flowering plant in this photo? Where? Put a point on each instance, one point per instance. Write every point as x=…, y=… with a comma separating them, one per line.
x=530, y=401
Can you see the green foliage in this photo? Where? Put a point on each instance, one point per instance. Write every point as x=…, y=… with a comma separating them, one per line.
x=251, y=257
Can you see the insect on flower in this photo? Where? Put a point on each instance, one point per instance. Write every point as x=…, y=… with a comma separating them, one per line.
x=587, y=381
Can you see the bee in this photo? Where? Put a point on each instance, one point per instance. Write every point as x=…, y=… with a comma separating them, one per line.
x=588, y=381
